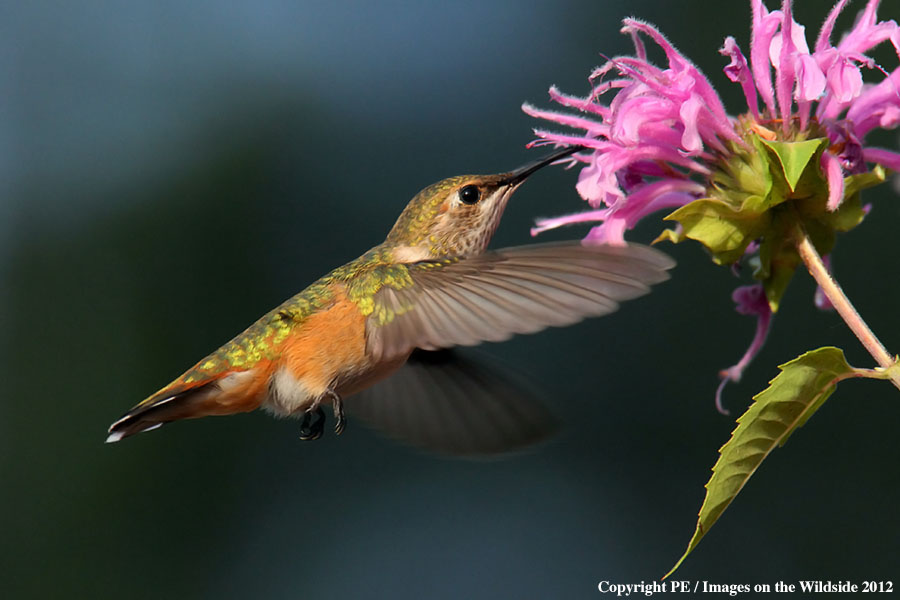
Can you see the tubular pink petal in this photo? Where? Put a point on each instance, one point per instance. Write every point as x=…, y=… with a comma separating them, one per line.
x=877, y=106
x=835, y=178
x=639, y=50
x=750, y=300
x=824, y=39
x=542, y=225
x=810, y=78
x=690, y=139
x=868, y=32
x=885, y=158
x=567, y=119
x=844, y=80
x=674, y=56
x=784, y=72
x=634, y=113
x=610, y=232
x=765, y=24
x=568, y=140
x=738, y=71
x=581, y=104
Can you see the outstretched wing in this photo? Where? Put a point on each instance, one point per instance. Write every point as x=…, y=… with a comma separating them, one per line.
x=499, y=293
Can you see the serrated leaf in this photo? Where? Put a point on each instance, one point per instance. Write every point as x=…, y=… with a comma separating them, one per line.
x=791, y=398
x=795, y=157
x=724, y=231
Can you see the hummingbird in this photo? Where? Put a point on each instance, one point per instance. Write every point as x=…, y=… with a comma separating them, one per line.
x=431, y=285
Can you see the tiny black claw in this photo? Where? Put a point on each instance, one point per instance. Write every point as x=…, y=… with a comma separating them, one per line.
x=313, y=424
x=340, y=422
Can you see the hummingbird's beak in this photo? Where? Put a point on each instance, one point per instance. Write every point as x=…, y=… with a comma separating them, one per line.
x=519, y=175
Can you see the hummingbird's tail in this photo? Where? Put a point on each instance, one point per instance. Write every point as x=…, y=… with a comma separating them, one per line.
x=225, y=394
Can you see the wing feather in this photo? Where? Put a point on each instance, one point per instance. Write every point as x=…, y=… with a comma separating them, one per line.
x=500, y=293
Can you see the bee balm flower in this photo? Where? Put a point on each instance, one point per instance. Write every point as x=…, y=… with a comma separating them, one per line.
x=659, y=138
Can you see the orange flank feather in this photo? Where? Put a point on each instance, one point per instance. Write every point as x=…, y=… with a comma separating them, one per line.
x=328, y=347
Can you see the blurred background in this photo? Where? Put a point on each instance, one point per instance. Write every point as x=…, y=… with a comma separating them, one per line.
x=170, y=171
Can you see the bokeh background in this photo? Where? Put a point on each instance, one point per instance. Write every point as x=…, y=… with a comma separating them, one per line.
x=170, y=171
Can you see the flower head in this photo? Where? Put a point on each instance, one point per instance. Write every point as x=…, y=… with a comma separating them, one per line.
x=659, y=137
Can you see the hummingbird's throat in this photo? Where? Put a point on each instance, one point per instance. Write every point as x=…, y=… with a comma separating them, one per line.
x=411, y=254
x=468, y=233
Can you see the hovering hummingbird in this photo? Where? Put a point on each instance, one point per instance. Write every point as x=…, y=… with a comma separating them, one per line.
x=430, y=285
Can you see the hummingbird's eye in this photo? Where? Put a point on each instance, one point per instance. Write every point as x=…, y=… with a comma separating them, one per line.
x=469, y=194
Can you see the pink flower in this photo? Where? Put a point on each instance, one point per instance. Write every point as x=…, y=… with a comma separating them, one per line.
x=669, y=124
x=659, y=137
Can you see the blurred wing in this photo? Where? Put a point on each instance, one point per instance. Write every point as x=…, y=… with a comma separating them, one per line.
x=453, y=404
x=497, y=294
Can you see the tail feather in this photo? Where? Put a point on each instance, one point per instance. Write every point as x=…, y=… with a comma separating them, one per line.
x=227, y=394
x=159, y=410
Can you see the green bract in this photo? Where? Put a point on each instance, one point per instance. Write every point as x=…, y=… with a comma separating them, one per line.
x=764, y=192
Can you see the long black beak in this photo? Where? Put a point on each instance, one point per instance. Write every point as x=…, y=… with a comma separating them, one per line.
x=519, y=175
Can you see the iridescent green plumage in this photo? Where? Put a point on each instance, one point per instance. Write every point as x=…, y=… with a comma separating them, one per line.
x=361, y=279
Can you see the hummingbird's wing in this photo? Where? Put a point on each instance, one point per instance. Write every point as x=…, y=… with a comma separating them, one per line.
x=455, y=404
x=494, y=295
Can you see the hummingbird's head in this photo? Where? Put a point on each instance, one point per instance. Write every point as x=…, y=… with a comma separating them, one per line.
x=458, y=216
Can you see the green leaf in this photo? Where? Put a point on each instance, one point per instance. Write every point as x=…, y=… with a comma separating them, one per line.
x=791, y=398
x=723, y=230
x=795, y=157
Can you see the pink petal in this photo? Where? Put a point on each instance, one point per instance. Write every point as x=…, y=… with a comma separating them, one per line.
x=750, y=300
x=877, y=106
x=569, y=120
x=542, y=225
x=824, y=39
x=835, y=178
x=581, y=104
x=690, y=139
x=739, y=71
x=810, y=78
x=765, y=24
x=690, y=79
x=784, y=71
x=548, y=137
x=885, y=158
x=844, y=80
x=611, y=232
x=868, y=32
x=633, y=114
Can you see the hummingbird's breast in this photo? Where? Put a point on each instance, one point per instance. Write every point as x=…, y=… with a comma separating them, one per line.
x=327, y=350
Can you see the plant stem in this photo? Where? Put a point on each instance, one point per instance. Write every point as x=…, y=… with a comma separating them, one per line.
x=842, y=304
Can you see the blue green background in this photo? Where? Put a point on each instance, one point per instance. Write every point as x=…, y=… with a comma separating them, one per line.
x=170, y=171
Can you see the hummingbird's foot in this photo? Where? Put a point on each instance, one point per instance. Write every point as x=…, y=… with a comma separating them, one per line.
x=340, y=422
x=313, y=424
